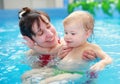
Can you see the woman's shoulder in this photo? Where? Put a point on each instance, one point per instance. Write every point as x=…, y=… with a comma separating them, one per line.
x=31, y=53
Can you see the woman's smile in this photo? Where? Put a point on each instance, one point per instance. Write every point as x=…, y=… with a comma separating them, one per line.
x=52, y=40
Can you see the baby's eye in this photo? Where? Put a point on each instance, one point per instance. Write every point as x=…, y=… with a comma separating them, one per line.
x=66, y=33
x=73, y=33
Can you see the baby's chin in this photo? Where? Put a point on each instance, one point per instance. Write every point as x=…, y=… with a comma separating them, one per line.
x=72, y=46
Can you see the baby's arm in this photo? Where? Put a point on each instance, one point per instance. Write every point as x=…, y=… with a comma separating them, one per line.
x=105, y=59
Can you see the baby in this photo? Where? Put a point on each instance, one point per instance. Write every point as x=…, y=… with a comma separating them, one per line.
x=78, y=27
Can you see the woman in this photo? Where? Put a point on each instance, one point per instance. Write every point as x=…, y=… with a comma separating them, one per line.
x=38, y=31
x=42, y=38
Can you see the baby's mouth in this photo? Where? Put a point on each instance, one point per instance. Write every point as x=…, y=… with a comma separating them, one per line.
x=68, y=42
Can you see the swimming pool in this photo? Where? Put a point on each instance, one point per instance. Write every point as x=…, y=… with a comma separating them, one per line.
x=12, y=66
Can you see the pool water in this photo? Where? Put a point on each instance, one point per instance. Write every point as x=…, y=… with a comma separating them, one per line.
x=12, y=66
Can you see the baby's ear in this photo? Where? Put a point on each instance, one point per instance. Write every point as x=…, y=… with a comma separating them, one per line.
x=88, y=33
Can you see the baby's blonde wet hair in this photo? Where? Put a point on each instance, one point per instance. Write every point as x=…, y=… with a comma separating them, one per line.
x=80, y=17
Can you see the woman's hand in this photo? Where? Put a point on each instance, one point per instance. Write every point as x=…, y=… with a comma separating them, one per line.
x=64, y=51
x=30, y=43
x=89, y=55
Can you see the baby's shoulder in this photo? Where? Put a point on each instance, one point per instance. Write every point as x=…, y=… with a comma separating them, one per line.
x=94, y=46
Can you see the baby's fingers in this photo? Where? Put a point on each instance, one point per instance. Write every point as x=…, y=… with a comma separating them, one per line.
x=63, y=52
x=93, y=68
x=96, y=68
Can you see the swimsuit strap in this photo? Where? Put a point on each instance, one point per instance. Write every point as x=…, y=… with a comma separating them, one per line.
x=44, y=59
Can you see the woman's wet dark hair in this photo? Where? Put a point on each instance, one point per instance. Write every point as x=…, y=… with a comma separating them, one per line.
x=27, y=17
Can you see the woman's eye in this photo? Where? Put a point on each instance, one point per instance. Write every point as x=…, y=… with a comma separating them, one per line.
x=39, y=33
x=48, y=26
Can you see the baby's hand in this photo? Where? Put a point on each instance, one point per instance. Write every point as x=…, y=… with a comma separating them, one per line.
x=64, y=51
x=97, y=67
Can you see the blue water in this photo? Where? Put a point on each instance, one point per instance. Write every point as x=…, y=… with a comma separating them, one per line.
x=12, y=66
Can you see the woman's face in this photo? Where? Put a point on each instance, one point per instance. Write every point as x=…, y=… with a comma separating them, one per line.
x=46, y=35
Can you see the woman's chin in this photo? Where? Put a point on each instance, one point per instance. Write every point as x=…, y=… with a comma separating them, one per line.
x=52, y=44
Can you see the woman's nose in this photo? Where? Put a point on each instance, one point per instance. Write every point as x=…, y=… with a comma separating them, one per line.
x=49, y=34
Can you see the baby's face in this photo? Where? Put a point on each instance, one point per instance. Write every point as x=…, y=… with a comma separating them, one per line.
x=74, y=35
